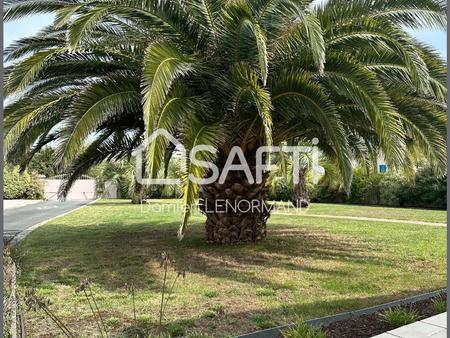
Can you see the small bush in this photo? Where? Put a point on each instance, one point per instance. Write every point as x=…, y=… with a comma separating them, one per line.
x=144, y=321
x=302, y=330
x=175, y=330
x=113, y=322
x=263, y=321
x=399, y=316
x=424, y=190
x=211, y=293
x=265, y=292
x=214, y=311
x=439, y=304
x=178, y=329
x=427, y=191
x=279, y=190
x=19, y=185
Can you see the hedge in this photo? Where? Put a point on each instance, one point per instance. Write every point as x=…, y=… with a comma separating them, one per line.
x=425, y=190
x=17, y=185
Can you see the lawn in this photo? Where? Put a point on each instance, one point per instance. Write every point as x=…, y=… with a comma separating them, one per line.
x=422, y=215
x=306, y=267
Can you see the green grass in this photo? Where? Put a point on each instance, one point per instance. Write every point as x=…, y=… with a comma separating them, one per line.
x=423, y=215
x=301, y=330
x=307, y=267
x=439, y=304
x=211, y=293
x=399, y=316
x=263, y=321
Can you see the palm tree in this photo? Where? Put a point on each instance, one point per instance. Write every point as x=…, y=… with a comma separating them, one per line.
x=222, y=73
x=284, y=169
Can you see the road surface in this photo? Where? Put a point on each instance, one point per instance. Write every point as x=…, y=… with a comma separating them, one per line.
x=19, y=219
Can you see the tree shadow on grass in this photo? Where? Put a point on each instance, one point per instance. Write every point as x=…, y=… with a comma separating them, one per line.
x=113, y=254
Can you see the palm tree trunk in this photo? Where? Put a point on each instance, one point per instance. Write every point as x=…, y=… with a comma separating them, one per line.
x=300, y=196
x=236, y=211
x=137, y=194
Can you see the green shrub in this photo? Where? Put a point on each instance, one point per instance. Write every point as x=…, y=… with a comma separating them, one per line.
x=211, y=293
x=399, y=316
x=263, y=321
x=279, y=190
x=365, y=187
x=19, y=185
x=179, y=328
x=425, y=190
x=439, y=304
x=43, y=162
x=265, y=292
x=302, y=330
x=113, y=322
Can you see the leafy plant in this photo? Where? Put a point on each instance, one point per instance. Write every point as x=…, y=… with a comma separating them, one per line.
x=21, y=185
x=44, y=162
x=302, y=330
x=263, y=321
x=178, y=329
x=214, y=311
x=211, y=293
x=421, y=189
x=439, y=304
x=399, y=316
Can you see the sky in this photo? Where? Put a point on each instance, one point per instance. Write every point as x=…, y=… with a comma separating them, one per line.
x=31, y=25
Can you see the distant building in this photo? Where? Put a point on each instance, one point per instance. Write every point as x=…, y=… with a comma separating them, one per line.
x=382, y=167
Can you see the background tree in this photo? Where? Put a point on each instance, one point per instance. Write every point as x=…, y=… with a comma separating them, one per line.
x=43, y=162
x=224, y=74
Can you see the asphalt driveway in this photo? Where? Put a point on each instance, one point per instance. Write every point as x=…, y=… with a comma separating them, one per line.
x=16, y=220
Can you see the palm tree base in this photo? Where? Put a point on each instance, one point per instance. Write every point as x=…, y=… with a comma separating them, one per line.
x=300, y=196
x=236, y=211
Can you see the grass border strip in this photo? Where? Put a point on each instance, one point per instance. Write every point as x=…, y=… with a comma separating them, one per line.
x=324, y=321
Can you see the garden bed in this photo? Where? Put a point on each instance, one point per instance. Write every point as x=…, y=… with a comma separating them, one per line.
x=363, y=323
x=373, y=324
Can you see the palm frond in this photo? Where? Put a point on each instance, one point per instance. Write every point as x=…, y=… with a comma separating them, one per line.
x=196, y=133
x=94, y=105
x=22, y=74
x=294, y=93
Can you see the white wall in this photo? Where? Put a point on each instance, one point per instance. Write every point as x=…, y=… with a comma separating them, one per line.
x=81, y=189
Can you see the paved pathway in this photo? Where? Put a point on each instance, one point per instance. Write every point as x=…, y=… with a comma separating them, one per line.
x=370, y=219
x=17, y=220
x=433, y=327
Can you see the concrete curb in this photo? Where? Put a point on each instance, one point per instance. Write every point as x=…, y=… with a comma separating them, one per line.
x=324, y=321
x=21, y=236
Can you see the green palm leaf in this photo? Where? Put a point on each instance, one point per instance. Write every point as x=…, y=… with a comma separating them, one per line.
x=196, y=133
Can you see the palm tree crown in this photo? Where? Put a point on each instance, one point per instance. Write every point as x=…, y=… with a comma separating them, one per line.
x=108, y=73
